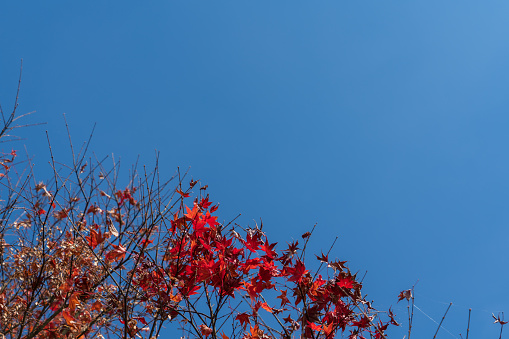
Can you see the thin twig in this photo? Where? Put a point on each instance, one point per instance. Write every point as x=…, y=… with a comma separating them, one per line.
x=468, y=326
x=441, y=321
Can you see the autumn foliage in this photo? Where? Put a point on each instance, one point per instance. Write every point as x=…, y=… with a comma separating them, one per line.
x=87, y=254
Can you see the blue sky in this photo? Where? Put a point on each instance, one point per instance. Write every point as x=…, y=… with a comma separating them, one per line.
x=384, y=122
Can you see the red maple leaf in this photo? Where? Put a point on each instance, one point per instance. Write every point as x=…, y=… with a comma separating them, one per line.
x=363, y=323
x=323, y=258
x=314, y=326
x=243, y=318
x=205, y=203
x=118, y=253
x=297, y=272
x=211, y=220
x=250, y=264
x=268, y=249
x=253, y=241
x=192, y=214
x=284, y=298
x=184, y=195
x=292, y=248
x=95, y=238
x=347, y=282
x=288, y=319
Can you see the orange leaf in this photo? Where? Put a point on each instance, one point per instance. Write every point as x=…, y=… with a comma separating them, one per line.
x=69, y=319
x=97, y=306
x=254, y=332
x=314, y=326
x=74, y=301
x=266, y=307
x=206, y=331
x=191, y=214
x=328, y=329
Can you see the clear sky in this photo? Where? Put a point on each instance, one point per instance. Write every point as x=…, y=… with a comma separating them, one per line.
x=384, y=122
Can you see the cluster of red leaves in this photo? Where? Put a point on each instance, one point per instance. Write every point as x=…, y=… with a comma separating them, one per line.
x=201, y=257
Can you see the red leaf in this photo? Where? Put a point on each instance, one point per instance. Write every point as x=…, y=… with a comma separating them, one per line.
x=284, y=298
x=297, y=272
x=347, y=282
x=292, y=248
x=363, y=323
x=323, y=258
x=205, y=203
x=288, y=319
x=314, y=326
x=184, y=195
x=95, y=238
x=117, y=254
x=243, y=318
x=126, y=195
x=145, y=242
x=192, y=214
x=253, y=241
x=268, y=249
x=211, y=220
